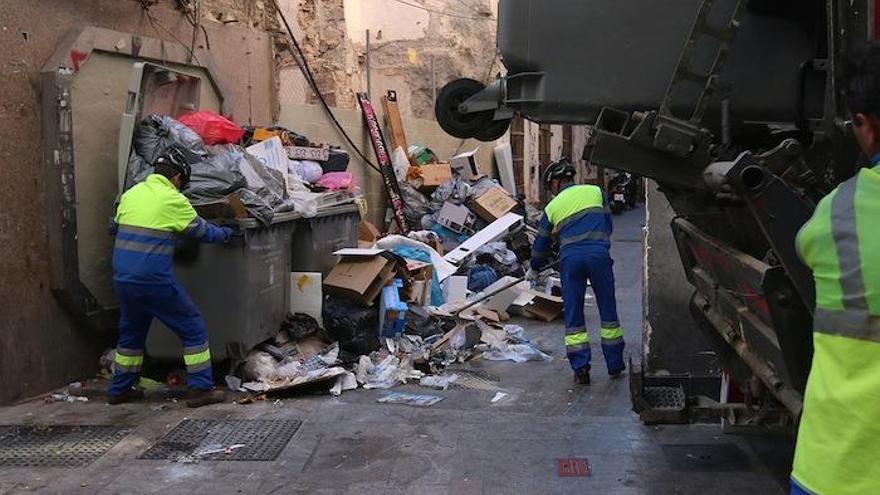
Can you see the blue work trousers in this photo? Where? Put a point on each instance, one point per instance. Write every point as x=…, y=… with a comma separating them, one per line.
x=138, y=305
x=577, y=270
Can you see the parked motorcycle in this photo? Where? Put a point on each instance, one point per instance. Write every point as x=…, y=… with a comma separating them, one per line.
x=621, y=194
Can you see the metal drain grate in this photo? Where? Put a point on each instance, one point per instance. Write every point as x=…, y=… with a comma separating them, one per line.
x=665, y=398
x=206, y=439
x=470, y=379
x=56, y=445
x=573, y=467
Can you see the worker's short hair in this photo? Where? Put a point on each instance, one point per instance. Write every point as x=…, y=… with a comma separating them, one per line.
x=167, y=170
x=862, y=72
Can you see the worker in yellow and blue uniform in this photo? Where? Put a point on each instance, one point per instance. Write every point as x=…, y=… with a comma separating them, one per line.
x=838, y=442
x=148, y=220
x=579, y=217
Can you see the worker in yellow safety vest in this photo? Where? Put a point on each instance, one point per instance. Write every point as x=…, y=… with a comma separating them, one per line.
x=578, y=216
x=148, y=220
x=838, y=444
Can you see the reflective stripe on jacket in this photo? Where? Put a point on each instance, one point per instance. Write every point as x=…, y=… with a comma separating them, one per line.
x=149, y=217
x=580, y=217
x=839, y=436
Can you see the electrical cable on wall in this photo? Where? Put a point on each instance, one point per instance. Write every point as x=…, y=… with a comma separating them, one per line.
x=310, y=78
x=156, y=25
x=447, y=14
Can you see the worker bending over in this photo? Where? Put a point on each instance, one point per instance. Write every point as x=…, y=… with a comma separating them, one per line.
x=838, y=442
x=580, y=218
x=148, y=220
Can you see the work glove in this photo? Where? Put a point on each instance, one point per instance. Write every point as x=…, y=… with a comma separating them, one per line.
x=227, y=233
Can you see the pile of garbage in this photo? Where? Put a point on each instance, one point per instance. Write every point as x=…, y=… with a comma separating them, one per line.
x=244, y=172
x=404, y=307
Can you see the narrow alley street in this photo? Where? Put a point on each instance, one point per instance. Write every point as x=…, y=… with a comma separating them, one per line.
x=465, y=444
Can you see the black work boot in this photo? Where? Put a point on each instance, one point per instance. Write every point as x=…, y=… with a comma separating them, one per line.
x=582, y=375
x=199, y=398
x=129, y=395
x=616, y=373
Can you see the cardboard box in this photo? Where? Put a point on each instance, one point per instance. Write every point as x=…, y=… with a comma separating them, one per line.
x=434, y=175
x=493, y=204
x=456, y=218
x=360, y=274
x=466, y=165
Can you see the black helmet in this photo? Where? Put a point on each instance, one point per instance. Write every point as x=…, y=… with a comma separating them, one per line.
x=561, y=170
x=176, y=159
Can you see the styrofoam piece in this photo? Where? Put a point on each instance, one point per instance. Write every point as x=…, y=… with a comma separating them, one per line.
x=504, y=160
x=503, y=300
x=455, y=289
x=494, y=231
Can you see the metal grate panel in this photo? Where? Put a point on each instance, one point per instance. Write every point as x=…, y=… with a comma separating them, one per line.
x=206, y=439
x=665, y=398
x=56, y=445
x=470, y=379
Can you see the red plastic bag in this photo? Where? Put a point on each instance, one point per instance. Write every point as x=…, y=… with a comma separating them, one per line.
x=213, y=128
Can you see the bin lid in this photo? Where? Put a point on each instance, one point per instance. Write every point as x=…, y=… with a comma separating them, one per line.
x=285, y=217
x=153, y=89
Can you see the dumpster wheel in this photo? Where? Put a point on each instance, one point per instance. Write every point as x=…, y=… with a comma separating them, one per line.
x=449, y=116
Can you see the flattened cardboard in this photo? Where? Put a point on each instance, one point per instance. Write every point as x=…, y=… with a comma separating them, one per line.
x=359, y=275
x=493, y=204
x=435, y=174
x=367, y=232
x=539, y=306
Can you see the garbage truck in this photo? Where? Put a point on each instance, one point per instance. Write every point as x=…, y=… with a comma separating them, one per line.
x=735, y=109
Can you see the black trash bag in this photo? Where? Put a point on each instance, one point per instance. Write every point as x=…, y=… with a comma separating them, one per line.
x=229, y=169
x=256, y=206
x=421, y=322
x=337, y=162
x=156, y=133
x=215, y=178
x=137, y=170
x=266, y=182
x=355, y=327
x=415, y=204
x=300, y=326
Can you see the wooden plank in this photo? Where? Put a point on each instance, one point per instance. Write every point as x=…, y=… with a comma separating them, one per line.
x=394, y=121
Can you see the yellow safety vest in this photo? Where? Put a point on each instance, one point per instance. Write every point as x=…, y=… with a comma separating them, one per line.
x=838, y=445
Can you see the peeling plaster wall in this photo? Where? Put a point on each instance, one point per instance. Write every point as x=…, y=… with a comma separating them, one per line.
x=411, y=51
x=40, y=346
